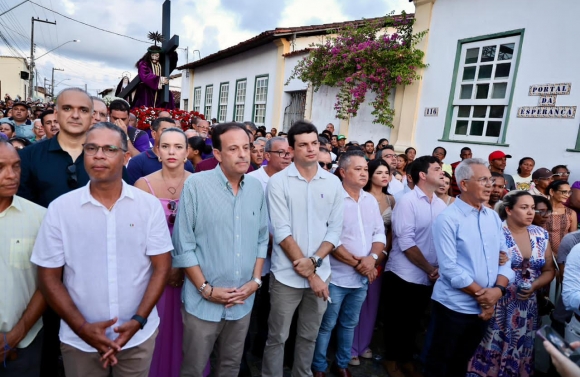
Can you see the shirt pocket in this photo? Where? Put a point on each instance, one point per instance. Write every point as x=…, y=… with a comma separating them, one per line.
x=20, y=251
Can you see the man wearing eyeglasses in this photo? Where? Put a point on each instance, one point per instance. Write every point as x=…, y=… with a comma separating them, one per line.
x=38, y=130
x=115, y=266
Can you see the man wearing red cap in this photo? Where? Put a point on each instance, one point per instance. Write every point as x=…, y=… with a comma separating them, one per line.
x=497, y=163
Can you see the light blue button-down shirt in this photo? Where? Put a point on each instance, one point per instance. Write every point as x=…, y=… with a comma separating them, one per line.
x=571, y=284
x=467, y=242
x=224, y=234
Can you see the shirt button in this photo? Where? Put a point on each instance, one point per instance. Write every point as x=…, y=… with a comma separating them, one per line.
x=237, y=235
x=238, y=254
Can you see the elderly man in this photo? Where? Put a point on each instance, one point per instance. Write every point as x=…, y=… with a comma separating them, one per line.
x=353, y=264
x=330, y=127
x=541, y=179
x=305, y=204
x=38, y=130
x=257, y=152
x=223, y=264
x=468, y=239
x=412, y=266
x=21, y=304
x=19, y=119
x=112, y=278
x=202, y=128
x=147, y=162
x=100, y=110
x=50, y=124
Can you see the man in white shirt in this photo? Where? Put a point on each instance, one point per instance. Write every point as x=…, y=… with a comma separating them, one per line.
x=21, y=303
x=412, y=266
x=279, y=158
x=114, y=267
x=353, y=264
x=305, y=203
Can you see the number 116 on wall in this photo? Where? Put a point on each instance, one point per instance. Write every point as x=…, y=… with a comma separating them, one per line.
x=431, y=111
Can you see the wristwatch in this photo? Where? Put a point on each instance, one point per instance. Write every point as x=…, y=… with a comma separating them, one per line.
x=501, y=288
x=257, y=281
x=142, y=321
x=375, y=256
x=316, y=260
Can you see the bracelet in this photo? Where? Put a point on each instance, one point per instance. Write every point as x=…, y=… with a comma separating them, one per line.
x=205, y=283
x=80, y=328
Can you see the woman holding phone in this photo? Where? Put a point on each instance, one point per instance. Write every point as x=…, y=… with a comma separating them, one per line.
x=507, y=349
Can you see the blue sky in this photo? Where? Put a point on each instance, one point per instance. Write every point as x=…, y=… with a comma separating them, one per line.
x=100, y=58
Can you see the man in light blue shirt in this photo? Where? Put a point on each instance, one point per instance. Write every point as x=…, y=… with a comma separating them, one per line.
x=468, y=239
x=571, y=293
x=221, y=239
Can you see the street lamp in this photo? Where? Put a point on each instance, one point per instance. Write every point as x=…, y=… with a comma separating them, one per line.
x=46, y=53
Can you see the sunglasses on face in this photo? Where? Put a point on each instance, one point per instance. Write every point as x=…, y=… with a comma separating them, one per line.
x=326, y=166
x=543, y=213
x=557, y=175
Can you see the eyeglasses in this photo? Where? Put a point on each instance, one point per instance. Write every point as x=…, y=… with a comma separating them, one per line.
x=282, y=154
x=108, y=150
x=543, y=213
x=37, y=128
x=172, y=206
x=72, y=180
x=483, y=181
x=564, y=192
x=526, y=268
x=389, y=155
x=324, y=165
x=561, y=174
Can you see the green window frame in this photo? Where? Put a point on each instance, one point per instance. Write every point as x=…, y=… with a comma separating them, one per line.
x=197, y=99
x=223, y=101
x=260, y=99
x=481, y=94
x=208, y=101
x=240, y=100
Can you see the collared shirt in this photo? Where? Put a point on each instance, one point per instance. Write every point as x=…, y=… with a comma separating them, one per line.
x=534, y=191
x=468, y=243
x=146, y=163
x=223, y=234
x=362, y=226
x=106, y=259
x=568, y=242
x=263, y=177
x=571, y=284
x=412, y=219
x=395, y=186
x=19, y=224
x=310, y=212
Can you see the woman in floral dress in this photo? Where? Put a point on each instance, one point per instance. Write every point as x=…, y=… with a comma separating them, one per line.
x=508, y=346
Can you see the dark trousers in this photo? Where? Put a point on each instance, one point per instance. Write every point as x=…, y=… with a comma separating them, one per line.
x=403, y=320
x=49, y=365
x=27, y=362
x=454, y=338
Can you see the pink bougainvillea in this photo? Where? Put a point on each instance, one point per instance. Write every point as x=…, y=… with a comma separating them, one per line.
x=362, y=57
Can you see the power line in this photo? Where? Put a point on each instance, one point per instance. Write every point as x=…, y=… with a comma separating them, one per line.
x=94, y=27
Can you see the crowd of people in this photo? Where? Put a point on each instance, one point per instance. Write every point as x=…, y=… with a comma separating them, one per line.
x=179, y=253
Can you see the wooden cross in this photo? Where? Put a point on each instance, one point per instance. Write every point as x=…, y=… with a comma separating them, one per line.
x=168, y=46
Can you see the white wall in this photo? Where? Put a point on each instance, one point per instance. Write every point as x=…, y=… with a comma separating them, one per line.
x=248, y=65
x=185, y=89
x=549, y=55
x=10, y=78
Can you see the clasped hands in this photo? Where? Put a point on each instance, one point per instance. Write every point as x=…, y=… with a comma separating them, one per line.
x=230, y=296
x=487, y=298
x=305, y=268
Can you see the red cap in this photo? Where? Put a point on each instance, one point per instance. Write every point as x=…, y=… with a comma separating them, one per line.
x=496, y=155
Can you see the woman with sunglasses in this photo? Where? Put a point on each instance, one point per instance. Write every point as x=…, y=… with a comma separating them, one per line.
x=382, y=144
x=543, y=211
x=507, y=348
x=166, y=184
x=561, y=173
x=377, y=186
x=523, y=179
x=563, y=219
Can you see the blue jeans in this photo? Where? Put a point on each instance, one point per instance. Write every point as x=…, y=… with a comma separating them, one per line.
x=346, y=306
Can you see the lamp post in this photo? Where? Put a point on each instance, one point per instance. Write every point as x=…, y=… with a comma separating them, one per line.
x=46, y=53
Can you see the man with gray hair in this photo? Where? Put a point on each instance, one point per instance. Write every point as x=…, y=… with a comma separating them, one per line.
x=100, y=110
x=468, y=238
x=353, y=264
x=257, y=153
x=202, y=128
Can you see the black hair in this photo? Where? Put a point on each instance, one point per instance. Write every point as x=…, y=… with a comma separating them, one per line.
x=11, y=126
x=23, y=140
x=251, y=125
x=222, y=129
x=157, y=122
x=327, y=133
x=298, y=128
x=408, y=149
x=542, y=199
x=198, y=144
x=555, y=185
x=323, y=140
x=45, y=113
x=369, y=141
x=112, y=127
x=421, y=165
x=380, y=142
x=462, y=149
x=522, y=161
x=373, y=166
x=119, y=105
x=447, y=175
x=260, y=133
x=509, y=201
x=408, y=168
x=174, y=129
x=555, y=168
x=443, y=149
x=389, y=147
x=353, y=147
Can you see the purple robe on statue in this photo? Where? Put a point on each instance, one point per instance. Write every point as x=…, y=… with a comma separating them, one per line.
x=148, y=87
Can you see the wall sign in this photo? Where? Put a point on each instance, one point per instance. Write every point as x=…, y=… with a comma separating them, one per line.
x=431, y=111
x=547, y=102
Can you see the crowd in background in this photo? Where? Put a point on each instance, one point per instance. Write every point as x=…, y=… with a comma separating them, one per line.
x=183, y=253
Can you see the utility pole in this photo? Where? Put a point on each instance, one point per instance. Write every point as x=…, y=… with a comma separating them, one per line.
x=52, y=87
x=31, y=69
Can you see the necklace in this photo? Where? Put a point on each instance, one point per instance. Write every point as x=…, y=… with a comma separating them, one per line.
x=111, y=207
x=173, y=190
